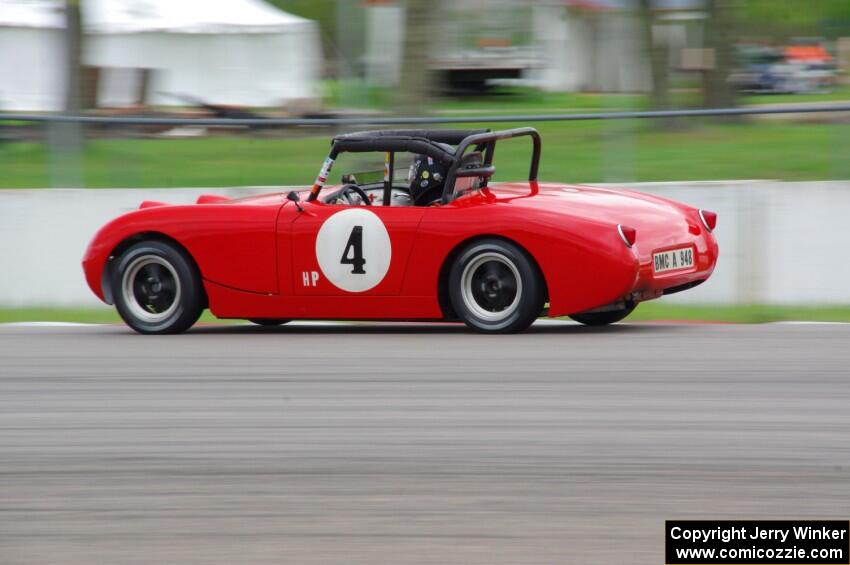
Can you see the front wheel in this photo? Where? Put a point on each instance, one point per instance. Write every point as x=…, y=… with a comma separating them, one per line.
x=604, y=318
x=495, y=287
x=157, y=288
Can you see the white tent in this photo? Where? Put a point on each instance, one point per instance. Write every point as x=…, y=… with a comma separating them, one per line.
x=239, y=52
x=31, y=44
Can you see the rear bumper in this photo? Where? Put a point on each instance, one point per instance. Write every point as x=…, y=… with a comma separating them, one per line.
x=650, y=284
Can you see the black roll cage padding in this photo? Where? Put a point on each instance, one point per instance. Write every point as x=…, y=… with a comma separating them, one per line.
x=433, y=144
x=448, y=136
x=392, y=144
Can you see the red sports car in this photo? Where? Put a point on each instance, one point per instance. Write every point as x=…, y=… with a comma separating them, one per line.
x=437, y=241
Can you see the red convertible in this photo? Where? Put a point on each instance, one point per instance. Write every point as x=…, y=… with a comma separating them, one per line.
x=428, y=237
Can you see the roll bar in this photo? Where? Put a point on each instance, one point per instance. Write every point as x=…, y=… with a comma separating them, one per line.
x=433, y=144
x=488, y=141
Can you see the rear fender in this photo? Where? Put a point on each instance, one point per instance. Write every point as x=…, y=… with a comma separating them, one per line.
x=583, y=263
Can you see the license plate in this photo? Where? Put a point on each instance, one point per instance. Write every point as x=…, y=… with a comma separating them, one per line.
x=673, y=259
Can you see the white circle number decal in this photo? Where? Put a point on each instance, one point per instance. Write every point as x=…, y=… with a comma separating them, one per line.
x=354, y=250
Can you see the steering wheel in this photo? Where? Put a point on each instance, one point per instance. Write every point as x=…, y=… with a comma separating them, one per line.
x=346, y=189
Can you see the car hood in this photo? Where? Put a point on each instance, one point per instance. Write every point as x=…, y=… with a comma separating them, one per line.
x=273, y=199
x=254, y=200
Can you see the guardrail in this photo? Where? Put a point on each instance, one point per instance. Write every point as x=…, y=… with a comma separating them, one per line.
x=422, y=120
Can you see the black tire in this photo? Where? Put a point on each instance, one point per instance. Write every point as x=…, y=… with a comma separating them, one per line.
x=495, y=287
x=157, y=288
x=604, y=318
x=269, y=322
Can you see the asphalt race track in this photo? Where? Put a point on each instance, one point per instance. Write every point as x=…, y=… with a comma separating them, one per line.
x=411, y=444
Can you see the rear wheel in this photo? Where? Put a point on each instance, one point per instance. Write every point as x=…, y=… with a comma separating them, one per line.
x=604, y=318
x=269, y=322
x=495, y=287
x=157, y=288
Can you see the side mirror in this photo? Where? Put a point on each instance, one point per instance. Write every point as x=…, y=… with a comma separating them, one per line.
x=293, y=196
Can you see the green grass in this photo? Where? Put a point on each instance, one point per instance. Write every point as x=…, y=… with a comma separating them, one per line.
x=575, y=152
x=531, y=101
x=521, y=100
x=839, y=94
x=752, y=314
x=630, y=150
x=650, y=311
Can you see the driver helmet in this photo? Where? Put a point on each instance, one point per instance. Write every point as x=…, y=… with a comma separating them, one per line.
x=427, y=177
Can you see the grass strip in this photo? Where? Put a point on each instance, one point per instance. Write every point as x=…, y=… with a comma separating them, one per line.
x=650, y=311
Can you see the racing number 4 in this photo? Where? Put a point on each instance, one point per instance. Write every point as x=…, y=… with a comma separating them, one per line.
x=353, y=250
x=353, y=253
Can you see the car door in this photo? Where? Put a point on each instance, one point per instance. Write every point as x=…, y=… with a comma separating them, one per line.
x=341, y=250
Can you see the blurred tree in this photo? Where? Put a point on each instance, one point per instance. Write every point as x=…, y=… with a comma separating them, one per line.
x=658, y=56
x=414, y=89
x=325, y=13
x=720, y=36
x=73, y=61
x=66, y=139
x=784, y=19
x=321, y=11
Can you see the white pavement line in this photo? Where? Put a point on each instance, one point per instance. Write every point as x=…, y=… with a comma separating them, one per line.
x=551, y=322
x=809, y=323
x=47, y=325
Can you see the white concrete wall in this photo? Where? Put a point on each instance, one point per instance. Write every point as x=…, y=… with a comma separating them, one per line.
x=780, y=243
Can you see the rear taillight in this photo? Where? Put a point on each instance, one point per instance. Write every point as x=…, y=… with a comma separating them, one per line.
x=709, y=219
x=627, y=234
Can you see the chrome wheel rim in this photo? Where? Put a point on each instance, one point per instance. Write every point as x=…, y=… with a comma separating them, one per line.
x=151, y=288
x=491, y=287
